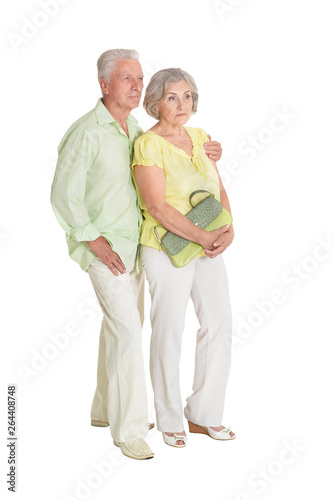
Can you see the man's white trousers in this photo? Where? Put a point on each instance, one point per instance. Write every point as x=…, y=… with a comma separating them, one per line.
x=120, y=397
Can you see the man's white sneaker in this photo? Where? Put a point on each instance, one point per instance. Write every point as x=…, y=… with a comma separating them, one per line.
x=136, y=448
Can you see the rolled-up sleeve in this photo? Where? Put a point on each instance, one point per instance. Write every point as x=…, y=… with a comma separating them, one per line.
x=76, y=154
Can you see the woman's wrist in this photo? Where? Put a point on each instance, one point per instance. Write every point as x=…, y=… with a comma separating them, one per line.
x=206, y=239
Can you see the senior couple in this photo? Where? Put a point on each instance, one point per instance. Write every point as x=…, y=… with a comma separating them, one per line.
x=109, y=223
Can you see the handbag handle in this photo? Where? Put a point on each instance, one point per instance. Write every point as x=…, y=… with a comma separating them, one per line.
x=200, y=191
x=158, y=236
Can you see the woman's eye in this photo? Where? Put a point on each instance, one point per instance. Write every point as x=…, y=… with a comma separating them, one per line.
x=171, y=98
x=187, y=96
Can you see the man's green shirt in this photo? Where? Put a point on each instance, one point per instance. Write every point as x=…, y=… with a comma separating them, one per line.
x=92, y=192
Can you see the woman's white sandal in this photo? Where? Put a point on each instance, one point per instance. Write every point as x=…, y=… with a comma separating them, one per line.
x=222, y=435
x=172, y=440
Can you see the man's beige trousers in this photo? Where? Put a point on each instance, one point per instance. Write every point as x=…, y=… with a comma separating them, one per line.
x=120, y=397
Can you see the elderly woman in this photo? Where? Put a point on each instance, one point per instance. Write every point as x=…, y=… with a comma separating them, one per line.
x=169, y=163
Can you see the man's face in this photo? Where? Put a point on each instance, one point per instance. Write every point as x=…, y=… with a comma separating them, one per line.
x=126, y=84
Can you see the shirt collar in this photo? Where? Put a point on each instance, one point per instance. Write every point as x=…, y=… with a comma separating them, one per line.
x=132, y=120
x=104, y=116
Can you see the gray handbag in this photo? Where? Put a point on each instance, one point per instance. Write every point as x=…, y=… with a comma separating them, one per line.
x=208, y=214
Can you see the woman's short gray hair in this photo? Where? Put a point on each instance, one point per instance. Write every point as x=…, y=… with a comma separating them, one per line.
x=107, y=61
x=156, y=89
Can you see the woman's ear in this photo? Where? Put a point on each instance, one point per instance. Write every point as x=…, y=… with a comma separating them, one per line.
x=157, y=111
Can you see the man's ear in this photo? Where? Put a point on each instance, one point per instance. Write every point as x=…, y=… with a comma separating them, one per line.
x=104, y=85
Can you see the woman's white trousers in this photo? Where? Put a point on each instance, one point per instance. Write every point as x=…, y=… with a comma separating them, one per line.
x=205, y=281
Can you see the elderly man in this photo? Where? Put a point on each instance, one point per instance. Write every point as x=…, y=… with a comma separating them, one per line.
x=94, y=200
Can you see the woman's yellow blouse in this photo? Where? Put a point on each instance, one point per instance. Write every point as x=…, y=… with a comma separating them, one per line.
x=183, y=174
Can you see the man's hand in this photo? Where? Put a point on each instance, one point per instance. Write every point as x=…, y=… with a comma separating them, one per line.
x=104, y=252
x=223, y=241
x=213, y=149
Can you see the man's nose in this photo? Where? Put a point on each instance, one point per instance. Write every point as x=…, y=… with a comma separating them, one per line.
x=137, y=85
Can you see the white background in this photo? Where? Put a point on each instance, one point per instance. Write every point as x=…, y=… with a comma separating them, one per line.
x=251, y=59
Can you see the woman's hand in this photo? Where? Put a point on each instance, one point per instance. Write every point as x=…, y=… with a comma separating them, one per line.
x=222, y=238
x=213, y=149
x=211, y=239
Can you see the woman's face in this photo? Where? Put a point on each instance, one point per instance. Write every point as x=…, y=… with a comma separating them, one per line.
x=175, y=107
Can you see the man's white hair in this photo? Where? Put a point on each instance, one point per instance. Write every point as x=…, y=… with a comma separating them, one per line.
x=107, y=61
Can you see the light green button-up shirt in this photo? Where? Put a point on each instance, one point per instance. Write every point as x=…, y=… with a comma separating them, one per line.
x=92, y=192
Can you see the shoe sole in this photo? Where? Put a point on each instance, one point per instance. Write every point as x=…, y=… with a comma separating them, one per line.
x=198, y=429
x=176, y=445
x=135, y=458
